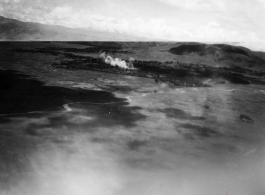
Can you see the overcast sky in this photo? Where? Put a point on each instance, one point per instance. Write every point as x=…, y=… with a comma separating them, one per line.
x=180, y=20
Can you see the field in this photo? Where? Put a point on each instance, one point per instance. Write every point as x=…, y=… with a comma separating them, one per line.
x=74, y=131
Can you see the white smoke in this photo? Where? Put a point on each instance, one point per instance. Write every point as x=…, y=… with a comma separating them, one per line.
x=116, y=62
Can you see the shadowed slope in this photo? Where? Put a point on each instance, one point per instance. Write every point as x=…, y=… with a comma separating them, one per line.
x=20, y=93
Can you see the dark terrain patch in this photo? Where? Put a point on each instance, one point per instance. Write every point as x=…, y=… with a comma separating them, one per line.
x=180, y=114
x=27, y=94
x=102, y=116
x=188, y=49
x=201, y=130
x=119, y=88
x=224, y=147
x=204, y=49
x=136, y=144
x=245, y=118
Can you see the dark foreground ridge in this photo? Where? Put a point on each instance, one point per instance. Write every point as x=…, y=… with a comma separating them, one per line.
x=20, y=93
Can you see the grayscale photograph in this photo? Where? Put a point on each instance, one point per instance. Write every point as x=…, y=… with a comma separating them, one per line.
x=132, y=97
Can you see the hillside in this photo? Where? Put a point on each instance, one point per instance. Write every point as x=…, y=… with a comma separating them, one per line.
x=220, y=55
x=15, y=30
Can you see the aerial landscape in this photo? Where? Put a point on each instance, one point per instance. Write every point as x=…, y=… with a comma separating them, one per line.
x=85, y=111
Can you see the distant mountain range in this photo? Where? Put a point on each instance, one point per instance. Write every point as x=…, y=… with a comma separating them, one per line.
x=14, y=30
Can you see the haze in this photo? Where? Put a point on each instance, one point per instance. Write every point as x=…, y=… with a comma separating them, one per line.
x=240, y=22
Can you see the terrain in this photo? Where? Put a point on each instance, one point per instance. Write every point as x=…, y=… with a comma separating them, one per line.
x=71, y=126
x=165, y=61
x=222, y=54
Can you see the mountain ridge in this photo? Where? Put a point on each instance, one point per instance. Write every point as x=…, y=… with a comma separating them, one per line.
x=15, y=30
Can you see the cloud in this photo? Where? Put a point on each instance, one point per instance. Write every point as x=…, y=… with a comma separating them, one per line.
x=10, y=1
x=194, y=4
x=66, y=16
x=221, y=20
x=61, y=12
x=190, y=20
x=215, y=6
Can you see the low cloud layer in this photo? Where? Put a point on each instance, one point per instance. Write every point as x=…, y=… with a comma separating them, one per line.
x=222, y=21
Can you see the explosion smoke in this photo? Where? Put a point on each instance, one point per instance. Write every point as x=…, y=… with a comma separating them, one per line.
x=115, y=62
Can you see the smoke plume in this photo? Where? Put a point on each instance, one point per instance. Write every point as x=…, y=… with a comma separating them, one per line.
x=102, y=58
